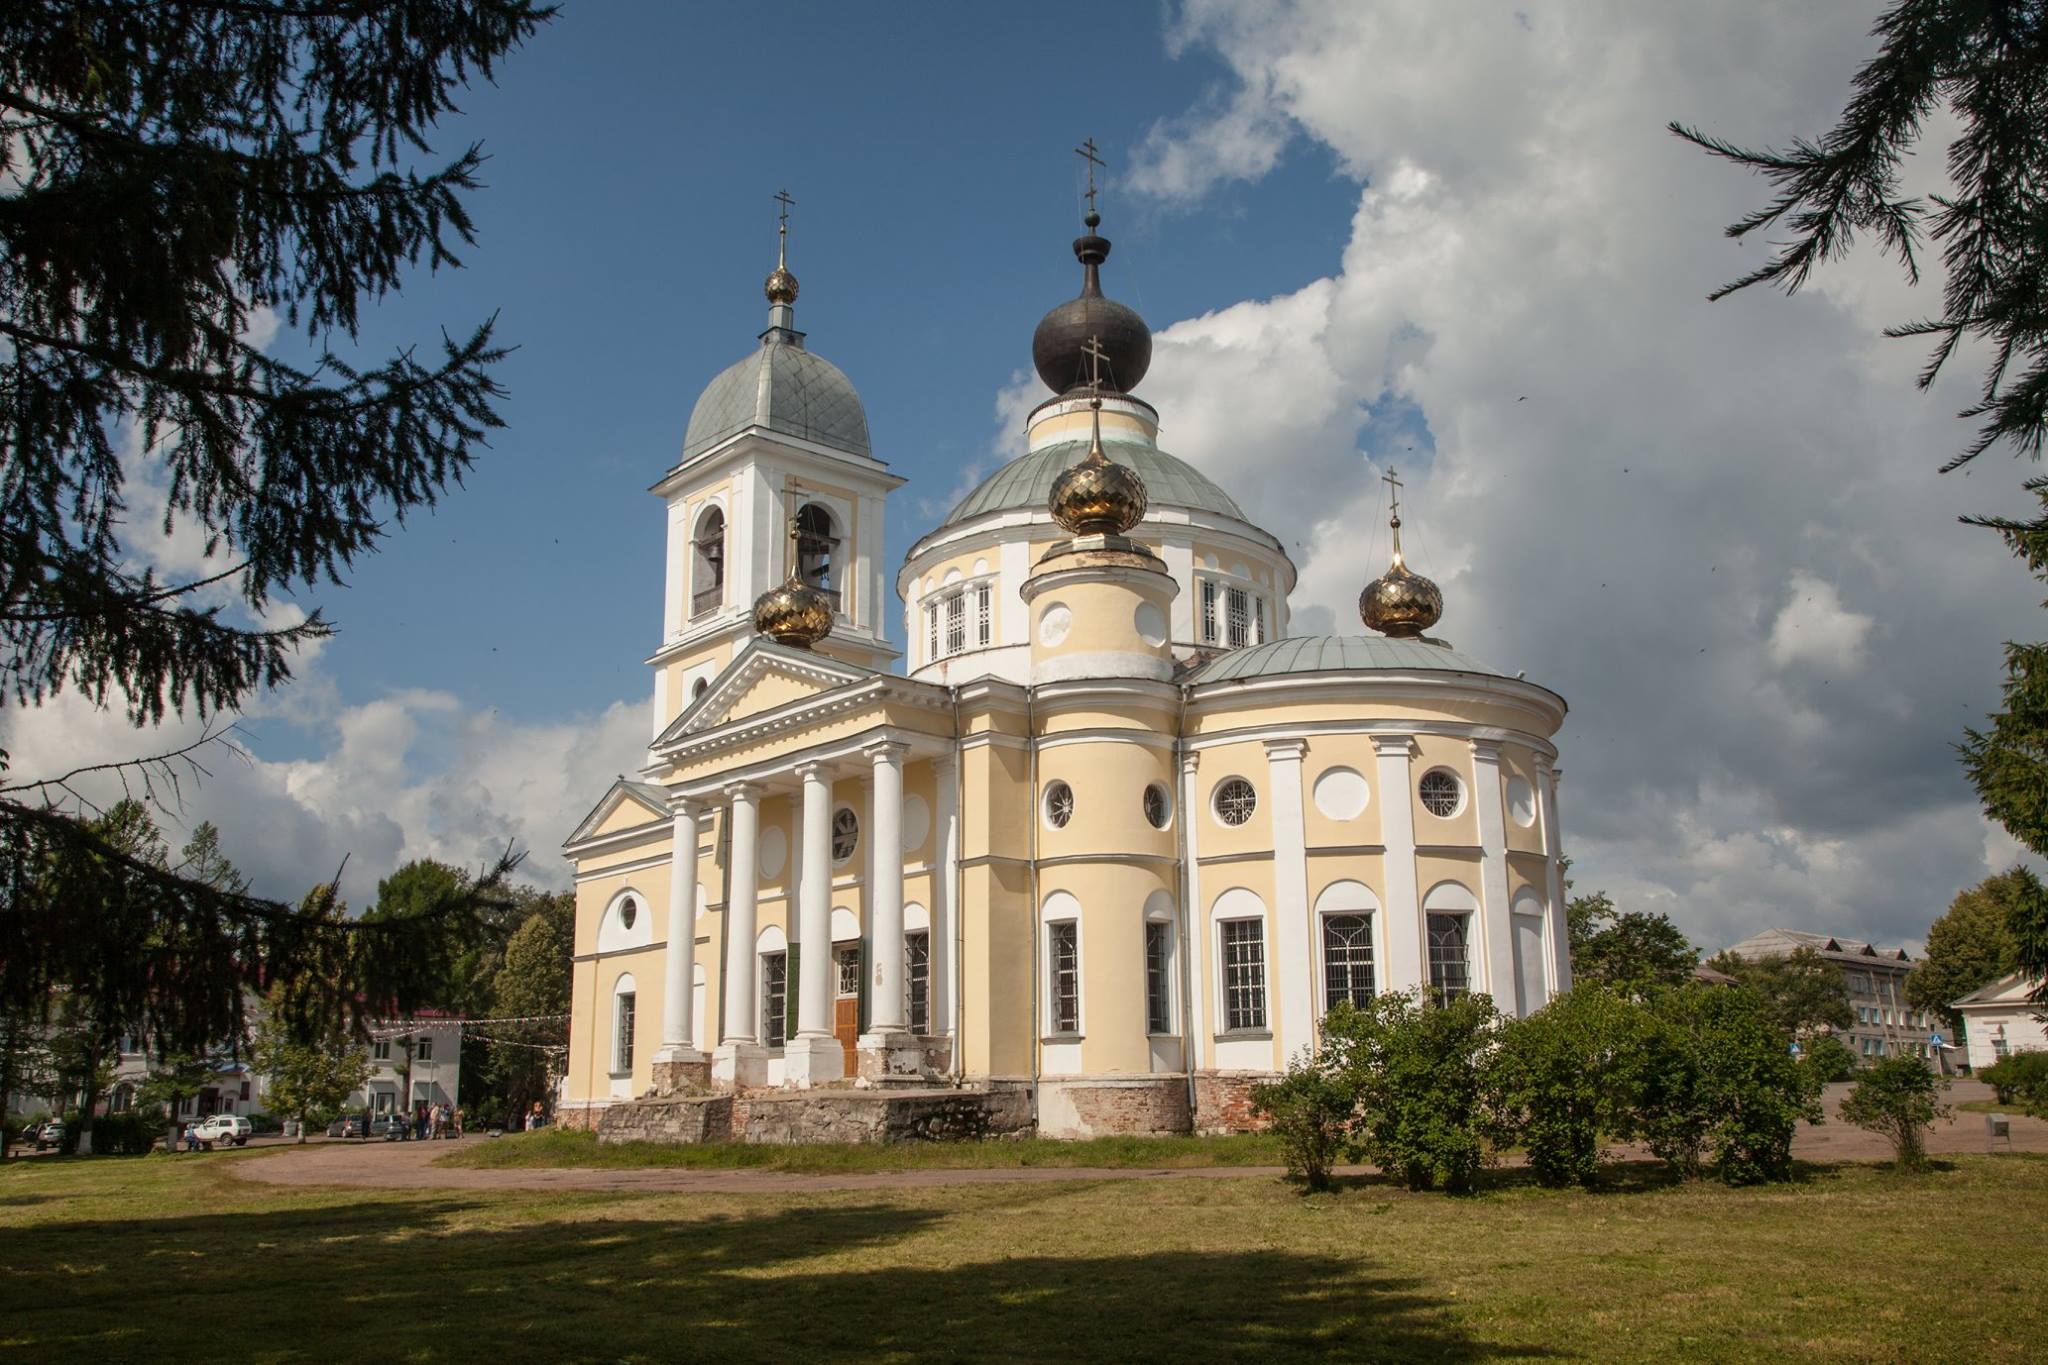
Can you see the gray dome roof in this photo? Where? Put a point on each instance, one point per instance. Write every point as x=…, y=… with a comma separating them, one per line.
x=1336, y=654
x=786, y=389
x=1026, y=482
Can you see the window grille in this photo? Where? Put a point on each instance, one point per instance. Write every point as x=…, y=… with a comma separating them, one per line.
x=1440, y=792
x=931, y=631
x=622, y=1058
x=845, y=834
x=1235, y=801
x=1158, y=809
x=1065, y=977
x=956, y=623
x=1450, y=971
x=848, y=962
x=917, y=981
x=774, y=997
x=1258, y=620
x=1158, y=977
x=1059, y=805
x=1237, y=604
x=984, y=615
x=1244, y=974
x=1347, y=961
x=1209, y=632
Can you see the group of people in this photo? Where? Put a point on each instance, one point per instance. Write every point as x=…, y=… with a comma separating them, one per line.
x=426, y=1121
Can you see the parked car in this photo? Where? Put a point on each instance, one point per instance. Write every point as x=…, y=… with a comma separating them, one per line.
x=49, y=1135
x=392, y=1127
x=220, y=1128
x=347, y=1126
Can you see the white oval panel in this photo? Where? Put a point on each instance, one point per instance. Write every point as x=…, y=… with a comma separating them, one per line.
x=1151, y=624
x=917, y=822
x=1521, y=802
x=1054, y=623
x=773, y=852
x=1342, y=793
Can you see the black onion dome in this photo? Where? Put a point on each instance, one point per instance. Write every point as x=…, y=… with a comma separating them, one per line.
x=1058, y=346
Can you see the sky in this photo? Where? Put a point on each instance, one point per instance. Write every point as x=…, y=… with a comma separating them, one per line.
x=1452, y=237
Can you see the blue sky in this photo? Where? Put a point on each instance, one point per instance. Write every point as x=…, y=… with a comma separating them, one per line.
x=1355, y=228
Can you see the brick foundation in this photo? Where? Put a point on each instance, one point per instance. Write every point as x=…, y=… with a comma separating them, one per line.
x=1223, y=1101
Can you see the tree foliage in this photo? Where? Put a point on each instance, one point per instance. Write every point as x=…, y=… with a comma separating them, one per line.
x=1632, y=952
x=1973, y=943
x=1898, y=1098
x=1719, y=1084
x=1983, y=63
x=1417, y=1071
x=1802, y=991
x=175, y=171
x=308, y=1076
x=1309, y=1109
x=1569, y=1076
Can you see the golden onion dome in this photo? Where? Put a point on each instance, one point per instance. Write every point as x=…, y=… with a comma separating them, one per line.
x=794, y=613
x=780, y=286
x=1097, y=496
x=1400, y=602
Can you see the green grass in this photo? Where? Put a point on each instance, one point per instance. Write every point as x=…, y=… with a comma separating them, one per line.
x=169, y=1258
x=560, y=1147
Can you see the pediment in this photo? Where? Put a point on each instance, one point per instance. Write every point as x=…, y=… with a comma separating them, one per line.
x=761, y=677
x=625, y=805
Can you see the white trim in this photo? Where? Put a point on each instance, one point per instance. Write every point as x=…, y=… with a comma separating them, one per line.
x=1087, y=665
x=1405, y=968
x=616, y=936
x=1292, y=962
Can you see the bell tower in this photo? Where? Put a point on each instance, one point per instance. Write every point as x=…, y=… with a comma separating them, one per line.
x=778, y=438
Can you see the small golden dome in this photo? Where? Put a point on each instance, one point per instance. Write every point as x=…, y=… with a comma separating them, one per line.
x=781, y=285
x=793, y=614
x=1097, y=496
x=1400, y=602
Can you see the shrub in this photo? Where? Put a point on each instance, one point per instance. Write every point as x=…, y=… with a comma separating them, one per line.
x=1417, y=1072
x=125, y=1134
x=1718, y=1077
x=1898, y=1098
x=1829, y=1059
x=1309, y=1109
x=1567, y=1075
x=2021, y=1078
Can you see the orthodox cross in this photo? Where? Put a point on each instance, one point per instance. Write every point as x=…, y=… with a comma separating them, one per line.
x=782, y=225
x=1096, y=355
x=1086, y=151
x=1393, y=481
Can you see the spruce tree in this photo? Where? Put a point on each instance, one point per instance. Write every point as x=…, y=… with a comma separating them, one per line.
x=176, y=172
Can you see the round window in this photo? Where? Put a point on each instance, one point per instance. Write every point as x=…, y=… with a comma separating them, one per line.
x=1158, y=806
x=1235, y=801
x=1059, y=805
x=629, y=910
x=1441, y=792
x=845, y=834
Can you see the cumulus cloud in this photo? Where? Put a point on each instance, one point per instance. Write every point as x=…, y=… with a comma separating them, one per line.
x=1715, y=528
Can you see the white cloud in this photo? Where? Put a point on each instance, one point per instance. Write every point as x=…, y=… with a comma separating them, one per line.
x=1716, y=528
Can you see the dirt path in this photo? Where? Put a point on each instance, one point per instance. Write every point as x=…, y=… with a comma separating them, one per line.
x=409, y=1165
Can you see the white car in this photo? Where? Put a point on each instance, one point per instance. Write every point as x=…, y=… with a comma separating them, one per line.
x=220, y=1128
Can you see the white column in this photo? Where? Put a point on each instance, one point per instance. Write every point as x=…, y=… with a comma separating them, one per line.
x=1294, y=977
x=814, y=906
x=1553, y=853
x=1497, y=929
x=945, y=997
x=1402, y=936
x=682, y=934
x=1195, y=939
x=744, y=812
x=885, y=891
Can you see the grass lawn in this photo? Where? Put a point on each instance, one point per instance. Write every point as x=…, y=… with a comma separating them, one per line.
x=119, y=1259
x=562, y=1147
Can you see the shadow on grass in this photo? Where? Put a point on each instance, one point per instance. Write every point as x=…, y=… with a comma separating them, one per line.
x=407, y=1280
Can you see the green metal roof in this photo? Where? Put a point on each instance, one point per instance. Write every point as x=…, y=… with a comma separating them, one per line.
x=1336, y=654
x=1026, y=482
x=785, y=388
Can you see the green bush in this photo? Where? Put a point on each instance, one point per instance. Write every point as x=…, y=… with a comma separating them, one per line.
x=2021, y=1078
x=1829, y=1059
x=1898, y=1097
x=263, y=1125
x=1717, y=1079
x=126, y=1134
x=1418, y=1074
x=1566, y=1076
x=1310, y=1109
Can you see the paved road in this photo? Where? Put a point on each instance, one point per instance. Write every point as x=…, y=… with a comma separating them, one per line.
x=409, y=1165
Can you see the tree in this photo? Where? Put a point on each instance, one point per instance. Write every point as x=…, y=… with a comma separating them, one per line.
x=534, y=983
x=1972, y=944
x=1718, y=1083
x=307, y=1076
x=177, y=171
x=1419, y=1074
x=171, y=1081
x=1633, y=952
x=1985, y=64
x=1898, y=1097
x=1802, y=992
x=1567, y=1077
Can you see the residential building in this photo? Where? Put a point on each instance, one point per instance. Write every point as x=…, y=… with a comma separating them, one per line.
x=2001, y=1019
x=413, y=1061
x=1874, y=979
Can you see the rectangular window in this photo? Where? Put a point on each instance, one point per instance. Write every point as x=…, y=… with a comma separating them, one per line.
x=917, y=981
x=984, y=614
x=848, y=962
x=1347, y=961
x=1244, y=974
x=381, y=1050
x=1208, y=612
x=1238, y=605
x=774, y=997
x=1450, y=971
x=622, y=1055
x=1065, y=975
x=956, y=623
x=931, y=631
x=1158, y=977
x=1998, y=1047
x=245, y=1090
x=1258, y=620
x=424, y=1052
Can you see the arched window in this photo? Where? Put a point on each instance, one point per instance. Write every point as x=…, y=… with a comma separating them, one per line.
x=707, y=576
x=817, y=549
x=1346, y=909
x=1448, y=909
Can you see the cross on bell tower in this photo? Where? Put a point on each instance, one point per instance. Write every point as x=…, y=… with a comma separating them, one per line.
x=1087, y=152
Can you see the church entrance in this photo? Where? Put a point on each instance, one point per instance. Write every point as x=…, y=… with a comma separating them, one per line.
x=846, y=1005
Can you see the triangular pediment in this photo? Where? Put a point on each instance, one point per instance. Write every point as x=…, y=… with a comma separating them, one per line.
x=762, y=677
x=625, y=805
x=2012, y=989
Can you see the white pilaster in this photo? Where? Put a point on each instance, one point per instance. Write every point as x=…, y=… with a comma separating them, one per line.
x=1497, y=929
x=1295, y=976
x=739, y=1059
x=676, y=1043
x=814, y=1055
x=885, y=892
x=945, y=999
x=1553, y=853
x=1403, y=936
x=1195, y=939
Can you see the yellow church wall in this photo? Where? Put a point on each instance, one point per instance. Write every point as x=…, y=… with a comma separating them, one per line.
x=645, y=965
x=1326, y=752
x=1431, y=868
x=630, y=814
x=996, y=1006
x=1217, y=765
x=788, y=745
x=1530, y=871
x=653, y=840
x=594, y=894
x=706, y=660
x=1108, y=778
x=1519, y=761
x=770, y=690
x=1442, y=751
x=1324, y=869
x=1112, y=897
x=582, y=991
x=1152, y=717
x=1101, y=613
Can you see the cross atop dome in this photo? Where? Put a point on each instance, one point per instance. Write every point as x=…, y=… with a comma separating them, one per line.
x=781, y=284
x=1122, y=336
x=1400, y=602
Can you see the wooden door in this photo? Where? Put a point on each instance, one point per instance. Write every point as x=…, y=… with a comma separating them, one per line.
x=846, y=1027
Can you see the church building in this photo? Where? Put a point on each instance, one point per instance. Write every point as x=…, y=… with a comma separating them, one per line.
x=1111, y=838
